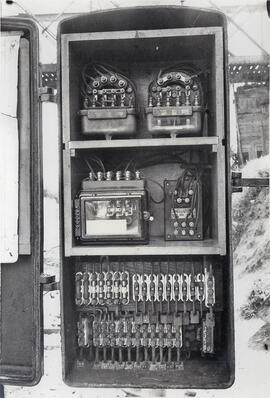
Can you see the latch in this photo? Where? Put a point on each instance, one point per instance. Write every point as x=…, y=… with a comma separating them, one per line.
x=48, y=91
x=47, y=94
x=48, y=282
x=238, y=182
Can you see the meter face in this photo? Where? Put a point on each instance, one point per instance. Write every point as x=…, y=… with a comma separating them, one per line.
x=111, y=217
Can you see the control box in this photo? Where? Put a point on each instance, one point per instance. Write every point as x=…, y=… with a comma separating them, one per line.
x=146, y=262
x=183, y=209
x=111, y=211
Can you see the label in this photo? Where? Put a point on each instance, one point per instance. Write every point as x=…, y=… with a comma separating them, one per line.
x=106, y=114
x=180, y=212
x=173, y=111
x=106, y=227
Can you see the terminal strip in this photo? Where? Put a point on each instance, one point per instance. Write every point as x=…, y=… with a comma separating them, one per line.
x=150, y=320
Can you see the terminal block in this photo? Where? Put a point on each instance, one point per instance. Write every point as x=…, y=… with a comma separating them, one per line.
x=175, y=103
x=153, y=319
x=108, y=101
x=183, y=207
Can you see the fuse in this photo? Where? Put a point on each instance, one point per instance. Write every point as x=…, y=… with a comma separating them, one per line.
x=160, y=291
x=86, y=288
x=124, y=287
x=176, y=287
x=145, y=341
x=209, y=288
x=168, y=293
x=200, y=279
x=152, y=341
x=96, y=339
x=78, y=291
x=93, y=293
x=120, y=340
x=208, y=334
x=169, y=342
x=161, y=341
x=178, y=342
x=137, y=342
x=101, y=294
x=194, y=316
x=176, y=290
x=116, y=290
x=192, y=287
x=136, y=291
x=129, y=340
x=104, y=339
x=144, y=293
x=112, y=339
x=83, y=332
x=184, y=290
x=109, y=288
x=152, y=288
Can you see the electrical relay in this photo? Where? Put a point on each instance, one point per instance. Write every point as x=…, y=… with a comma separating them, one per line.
x=175, y=101
x=108, y=100
x=112, y=208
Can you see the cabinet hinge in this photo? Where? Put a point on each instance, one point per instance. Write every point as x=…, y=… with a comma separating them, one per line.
x=48, y=282
x=238, y=182
x=47, y=94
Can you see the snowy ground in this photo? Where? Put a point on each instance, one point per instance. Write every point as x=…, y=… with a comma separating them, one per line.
x=252, y=335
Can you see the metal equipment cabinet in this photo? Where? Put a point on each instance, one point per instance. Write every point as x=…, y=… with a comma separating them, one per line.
x=139, y=41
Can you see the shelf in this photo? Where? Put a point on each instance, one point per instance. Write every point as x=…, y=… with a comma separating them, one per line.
x=155, y=247
x=145, y=142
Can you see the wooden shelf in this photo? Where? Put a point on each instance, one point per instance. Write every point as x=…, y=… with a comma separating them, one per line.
x=155, y=247
x=145, y=142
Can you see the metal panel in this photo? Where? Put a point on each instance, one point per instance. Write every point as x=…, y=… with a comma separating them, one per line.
x=9, y=154
x=218, y=375
x=21, y=317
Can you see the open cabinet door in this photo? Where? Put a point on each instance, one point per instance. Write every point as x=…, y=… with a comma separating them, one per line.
x=21, y=223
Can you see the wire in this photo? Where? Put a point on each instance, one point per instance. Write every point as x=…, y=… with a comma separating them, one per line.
x=93, y=71
x=151, y=197
x=99, y=162
x=192, y=177
x=90, y=168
